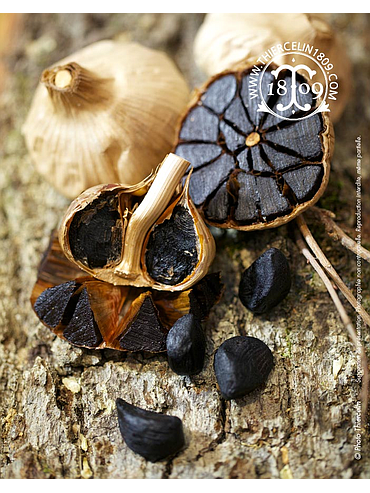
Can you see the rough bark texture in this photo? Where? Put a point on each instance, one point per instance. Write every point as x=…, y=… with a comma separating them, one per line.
x=57, y=408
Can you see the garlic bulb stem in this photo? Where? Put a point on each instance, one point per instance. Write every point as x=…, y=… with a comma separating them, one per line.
x=153, y=205
x=71, y=87
x=63, y=79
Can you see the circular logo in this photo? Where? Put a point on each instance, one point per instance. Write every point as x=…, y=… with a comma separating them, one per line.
x=298, y=87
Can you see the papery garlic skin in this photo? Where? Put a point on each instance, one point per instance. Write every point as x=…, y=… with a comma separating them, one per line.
x=115, y=127
x=228, y=40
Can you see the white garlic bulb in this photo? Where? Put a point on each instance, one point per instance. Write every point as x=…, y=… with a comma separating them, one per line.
x=106, y=114
x=226, y=40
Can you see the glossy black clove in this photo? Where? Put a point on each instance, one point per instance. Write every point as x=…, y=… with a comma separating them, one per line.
x=171, y=254
x=266, y=282
x=152, y=435
x=241, y=365
x=186, y=346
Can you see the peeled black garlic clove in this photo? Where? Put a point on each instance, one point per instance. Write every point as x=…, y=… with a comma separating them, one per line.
x=241, y=365
x=152, y=435
x=266, y=282
x=186, y=346
x=205, y=295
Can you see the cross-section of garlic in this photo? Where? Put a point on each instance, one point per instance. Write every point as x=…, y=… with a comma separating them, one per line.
x=226, y=40
x=146, y=235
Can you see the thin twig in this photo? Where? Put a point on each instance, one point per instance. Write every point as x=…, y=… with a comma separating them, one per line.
x=337, y=233
x=346, y=322
x=310, y=240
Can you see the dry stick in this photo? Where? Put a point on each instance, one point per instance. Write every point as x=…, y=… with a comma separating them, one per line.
x=310, y=240
x=336, y=232
x=346, y=322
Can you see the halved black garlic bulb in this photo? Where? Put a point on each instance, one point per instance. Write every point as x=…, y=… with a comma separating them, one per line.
x=152, y=435
x=251, y=169
x=91, y=313
x=266, y=282
x=241, y=365
x=145, y=235
x=186, y=346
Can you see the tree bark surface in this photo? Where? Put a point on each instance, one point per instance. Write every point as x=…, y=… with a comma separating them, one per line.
x=57, y=402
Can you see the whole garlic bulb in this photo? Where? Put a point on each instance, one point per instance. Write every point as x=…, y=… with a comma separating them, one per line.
x=226, y=40
x=105, y=114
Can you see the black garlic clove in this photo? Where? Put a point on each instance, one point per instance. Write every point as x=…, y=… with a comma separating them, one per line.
x=82, y=329
x=205, y=294
x=171, y=254
x=241, y=365
x=186, y=346
x=145, y=332
x=266, y=282
x=52, y=303
x=95, y=235
x=152, y=435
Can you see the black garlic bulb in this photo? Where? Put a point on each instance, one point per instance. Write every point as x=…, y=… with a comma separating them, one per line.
x=251, y=169
x=186, y=346
x=152, y=435
x=241, y=365
x=266, y=282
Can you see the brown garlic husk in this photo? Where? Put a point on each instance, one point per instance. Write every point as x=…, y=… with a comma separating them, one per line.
x=94, y=314
x=228, y=40
x=105, y=114
x=146, y=235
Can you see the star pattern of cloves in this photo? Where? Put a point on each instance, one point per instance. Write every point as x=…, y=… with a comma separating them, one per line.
x=250, y=166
